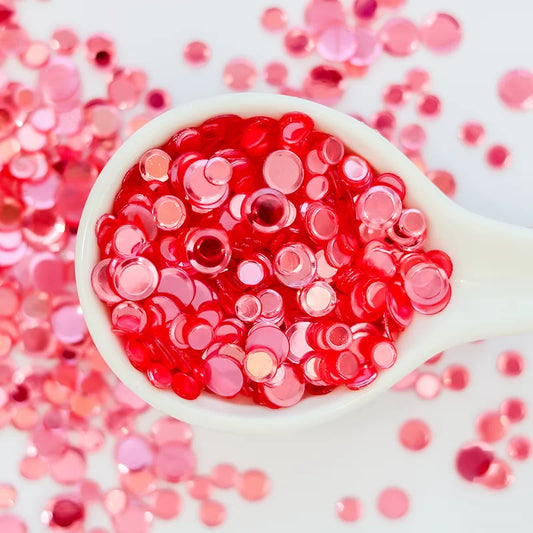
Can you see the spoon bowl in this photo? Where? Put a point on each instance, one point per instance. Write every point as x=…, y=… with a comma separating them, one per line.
x=492, y=281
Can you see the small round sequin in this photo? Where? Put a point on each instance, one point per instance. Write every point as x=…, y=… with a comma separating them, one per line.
x=170, y=212
x=429, y=106
x=417, y=80
x=64, y=41
x=154, y=165
x=414, y=434
x=298, y=42
x=224, y=476
x=412, y=137
x=498, y=476
x=336, y=43
x=511, y=363
x=514, y=410
x=515, y=89
x=498, y=156
x=444, y=180
x=10, y=523
x=456, y=377
x=349, y=509
x=367, y=49
x=240, y=74
x=400, y=36
x=135, y=278
x=224, y=376
x=197, y=53
x=473, y=460
x=274, y=19
x=100, y=50
x=212, y=513
x=165, y=503
x=253, y=485
x=491, y=426
x=472, y=133
x=393, y=503
x=441, y=32
x=174, y=462
x=275, y=73
x=519, y=448
x=325, y=84
x=428, y=386
x=283, y=171
x=8, y=496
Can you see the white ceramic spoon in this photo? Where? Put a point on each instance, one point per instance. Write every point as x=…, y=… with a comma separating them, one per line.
x=492, y=282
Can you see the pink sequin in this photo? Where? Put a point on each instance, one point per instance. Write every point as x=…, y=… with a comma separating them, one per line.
x=393, y=503
x=400, y=36
x=428, y=386
x=10, y=523
x=349, y=509
x=519, y=448
x=253, y=485
x=511, y=363
x=414, y=434
x=514, y=410
x=473, y=460
x=336, y=43
x=491, y=426
x=8, y=496
x=456, y=377
x=197, y=53
x=274, y=19
x=298, y=42
x=498, y=156
x=240, y=74
x=275, y=73
x=441, y=32
x=212, y=513
x=472, y=133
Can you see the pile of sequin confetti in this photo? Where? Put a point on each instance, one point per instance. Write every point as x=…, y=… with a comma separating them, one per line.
x=262, y=256
x=53, y=143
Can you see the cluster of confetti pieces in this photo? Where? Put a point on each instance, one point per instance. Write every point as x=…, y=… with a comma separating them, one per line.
x=53, y=144
x=212, y=262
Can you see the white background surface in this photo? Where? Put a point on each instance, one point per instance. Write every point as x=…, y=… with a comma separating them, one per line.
x=357, y=455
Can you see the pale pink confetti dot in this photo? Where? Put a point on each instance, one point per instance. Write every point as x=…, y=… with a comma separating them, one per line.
x=253, y=485
x=444, y=180
x=298, y=42
x=68, y=324
x=498, y=476
x=514, y=409
x=64, y=41
x=212, y=513
x=395, y=95
x=8, y=496
x=274, y=19
x=200, y=487
x=224, y=476
x=133, y=453
x=69, y=468
x=115, y=501
x=417, y=80
x=510, y=363
x=104, y=120
x=325, y=84
x=349, y=509
x=174, y=462
x=134, y=519
x=515, y=89
x=197, y=53
x=393, y=503
x=400, y=36
x=365, y=9
x=33, y=467
x=429, y=106
x=224, y=376
x=441, y=32
x=36, y=55
x=165, y=503
x=100, y=50
x=491, y=426
x=456, y=377
x=240, y=74
x=275, y=73
x=169, y=429
x=519, y=448
x=472, y=133
x=414, y=434
x=336, y=43
x=428, y=386
x=498, y=156
x=10, y=523
x=368, y=47
x=412, y=137
x=59, y=80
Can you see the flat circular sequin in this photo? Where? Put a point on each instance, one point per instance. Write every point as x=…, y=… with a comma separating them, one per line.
x=498, y=156
x=400, y=36
x=472, y=133
x=510, y=363
x=393, y=503
x=197, y=53
x=212, y=513
x=515, y=89
x=274, y=19
x=441, y=32
x=414, y=434
x=240, y=74
x=253, y=485
x=349, y=509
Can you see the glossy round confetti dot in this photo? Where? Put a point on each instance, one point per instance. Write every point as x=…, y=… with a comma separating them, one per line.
x=519, y=447
x=212, y=513
x=64, y=41
x=8, y=496
x=197, y=53
x=472, y=133
x=253, y=485
x=274, y=19
x=349, y=509
x=336, y=43
x=456, y=377
x=275, y=73
x=515, y=89
x=444, y=180
x=514, y=409
x=393, y=503
x=174, y=462
x=400, y=36
x=414, y=434
x=498, y=156
x=298, y=42
x=473, y=460
x=491, y=426
x=510, y=363
x=428, y=386
x=499, y=475
x=225, y=475
x=240, y=74
x=441, y=32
